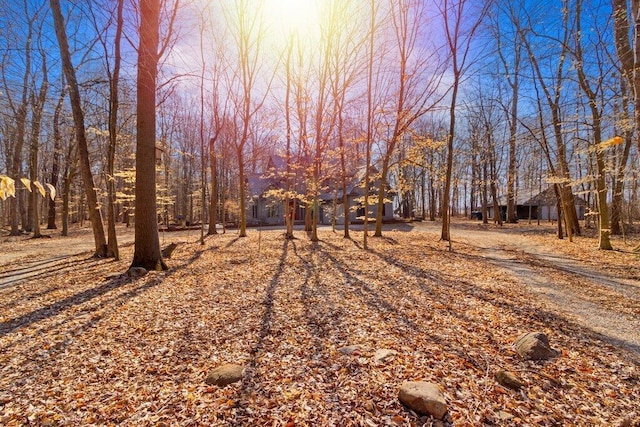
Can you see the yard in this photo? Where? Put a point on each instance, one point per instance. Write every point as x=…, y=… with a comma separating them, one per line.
x=83, y=344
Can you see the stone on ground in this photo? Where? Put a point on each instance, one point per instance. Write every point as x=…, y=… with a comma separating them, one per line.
x=383, y=356
x=350, y=349
x=224, y=375
x=631, y=420
x=534, y=346
x=424, y=398
x=509, y=380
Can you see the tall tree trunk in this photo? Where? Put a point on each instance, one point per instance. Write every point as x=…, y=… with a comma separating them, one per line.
x=147, y=243
x=618, y=183
x=36, y=124
x=604, y=230
x=370, y=111
x=114, y=84
x=69, y=173
x=289, y=202
x=242, y=232
x=213, y=203
x=15, y=163
x=55, y=167
x=78, y=118
x=446, y=220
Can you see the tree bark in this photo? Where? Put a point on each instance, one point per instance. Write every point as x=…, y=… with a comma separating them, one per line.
x=15, y=162
x=114, y=84
x=147, y=252
x=55, y=167
x=36, y=125
x=78, y=118
x=213, y=203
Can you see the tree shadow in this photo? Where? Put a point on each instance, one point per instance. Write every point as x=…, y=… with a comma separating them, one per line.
x=40, y=270
x=540, y=318
x=58, y=307
x=267, y=318
x=232, y=242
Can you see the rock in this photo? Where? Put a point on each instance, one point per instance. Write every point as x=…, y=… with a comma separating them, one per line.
x=383, y=356
x=509, y=380
x=631, y=420
x=534, y=346
x=224, y=375
x=504, y=416
x=350, y=349
x=424, y=398
x=136, y=272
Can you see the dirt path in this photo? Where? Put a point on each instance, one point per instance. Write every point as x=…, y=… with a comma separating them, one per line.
x=594, y=299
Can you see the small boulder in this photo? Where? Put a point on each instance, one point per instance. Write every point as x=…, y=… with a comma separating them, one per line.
x=424, y=398
x=224, y=375
x=631, y=420
x=509, y=380
x=384, y=355
x=534, y=346
x=137, y=272
x=350, y=350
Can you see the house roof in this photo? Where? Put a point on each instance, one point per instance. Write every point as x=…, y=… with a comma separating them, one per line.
x=527, y=198
x=257, y=184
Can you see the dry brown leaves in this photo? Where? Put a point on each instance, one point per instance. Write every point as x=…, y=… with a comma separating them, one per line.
x=80, y=346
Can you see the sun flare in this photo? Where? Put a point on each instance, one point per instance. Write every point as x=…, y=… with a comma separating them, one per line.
x=297, y=16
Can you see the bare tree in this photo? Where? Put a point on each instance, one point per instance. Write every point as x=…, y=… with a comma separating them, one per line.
x=592, y=86
x=78, y=116
x=455, y=13
x=551, y=90
x=418, y=81
x=248, y=30
x=147, y=244
x=19, y=108
x=113, y=74
x=37, y=106
x=370, y=117
x=627, y=42
x=511, y=64
x=55, y=166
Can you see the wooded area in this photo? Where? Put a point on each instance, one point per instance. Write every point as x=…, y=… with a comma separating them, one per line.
x=458, y=107
x=319, y=212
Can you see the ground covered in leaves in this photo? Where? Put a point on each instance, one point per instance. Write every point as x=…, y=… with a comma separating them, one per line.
x=81, y=344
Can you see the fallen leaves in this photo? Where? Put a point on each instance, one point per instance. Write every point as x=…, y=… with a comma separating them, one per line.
x=305, y=320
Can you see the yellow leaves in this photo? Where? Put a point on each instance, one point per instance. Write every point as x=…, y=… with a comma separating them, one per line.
x=611, y=142
x=616, y=140
x=27, y=183
x=40, y=188
x=284, y=314
x=52, y=191
x=7, y=187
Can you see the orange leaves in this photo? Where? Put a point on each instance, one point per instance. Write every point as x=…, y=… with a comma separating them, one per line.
x=137, y=353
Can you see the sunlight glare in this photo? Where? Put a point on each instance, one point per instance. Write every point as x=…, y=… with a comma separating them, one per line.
x=297, y=16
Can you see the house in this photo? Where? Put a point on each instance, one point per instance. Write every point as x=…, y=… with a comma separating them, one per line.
x=333, y=200
x=539, y=206
x=266, y=205
x=265, y=193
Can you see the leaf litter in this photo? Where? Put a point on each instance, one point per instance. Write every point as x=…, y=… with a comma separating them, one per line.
x=86, y=346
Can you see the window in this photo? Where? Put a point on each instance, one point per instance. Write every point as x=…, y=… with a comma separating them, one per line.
x=254, y=211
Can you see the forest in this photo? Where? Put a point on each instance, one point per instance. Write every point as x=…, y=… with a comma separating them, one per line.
x=319, y=212
x=458, y=108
